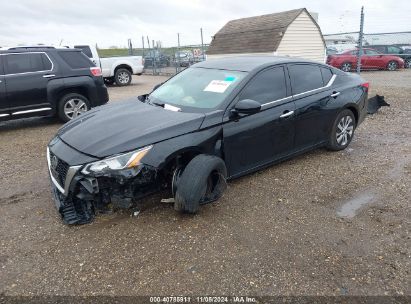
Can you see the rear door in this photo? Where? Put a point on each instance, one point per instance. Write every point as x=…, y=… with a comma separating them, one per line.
x=374, y=59
x=3, y=102
x=27, y=75
x=312, y=89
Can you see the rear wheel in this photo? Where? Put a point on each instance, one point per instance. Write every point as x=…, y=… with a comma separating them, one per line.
x=72, y=105
x=392, y=66
x=122, y=77
x=408, y=63
x=342, y=131
x=202, y=181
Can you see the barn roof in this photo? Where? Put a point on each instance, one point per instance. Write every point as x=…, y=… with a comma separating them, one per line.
x=258, y=34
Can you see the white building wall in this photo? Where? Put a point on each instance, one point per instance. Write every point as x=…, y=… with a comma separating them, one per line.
x=302, y=39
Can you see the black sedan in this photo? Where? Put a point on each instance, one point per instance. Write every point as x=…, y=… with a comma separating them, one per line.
x=215, y=121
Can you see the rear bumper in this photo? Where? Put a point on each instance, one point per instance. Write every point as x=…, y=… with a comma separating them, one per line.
x=138, y=69
x=101, y=96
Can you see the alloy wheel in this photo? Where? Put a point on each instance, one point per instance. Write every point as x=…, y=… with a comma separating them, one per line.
x=75, y=107
x=346, y=67
x=345, y=130
x=392, y=66
x=123, y=77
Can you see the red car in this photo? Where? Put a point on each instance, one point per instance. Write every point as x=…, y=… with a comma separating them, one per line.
x=371, y=60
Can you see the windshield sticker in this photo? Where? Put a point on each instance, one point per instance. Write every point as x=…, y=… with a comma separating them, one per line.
x=217, y=86
x=229, y=78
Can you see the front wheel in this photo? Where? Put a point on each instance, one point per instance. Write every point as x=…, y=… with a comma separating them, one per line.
x=122, y=77
x=392, y=66
x=346, y=67
x=342, y=131
x=72, y=105
x=202, y=181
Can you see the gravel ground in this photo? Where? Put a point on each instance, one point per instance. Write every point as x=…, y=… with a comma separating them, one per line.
x=293, y=229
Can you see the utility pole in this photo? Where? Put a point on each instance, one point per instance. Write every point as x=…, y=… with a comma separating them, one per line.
x=360, y=50
x=178, y=52
x=142, y=40
x=202, y=44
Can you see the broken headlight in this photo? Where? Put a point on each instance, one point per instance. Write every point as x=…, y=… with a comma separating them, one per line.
x=130, y=160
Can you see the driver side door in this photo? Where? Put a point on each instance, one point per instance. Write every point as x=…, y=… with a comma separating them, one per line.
x=255, y=140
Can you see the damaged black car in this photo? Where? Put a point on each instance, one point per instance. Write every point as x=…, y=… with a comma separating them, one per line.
x=217, y=120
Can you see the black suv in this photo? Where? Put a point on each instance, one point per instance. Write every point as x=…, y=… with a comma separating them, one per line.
x=47, y=81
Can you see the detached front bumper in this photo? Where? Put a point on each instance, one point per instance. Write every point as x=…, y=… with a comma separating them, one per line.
x=79, y=198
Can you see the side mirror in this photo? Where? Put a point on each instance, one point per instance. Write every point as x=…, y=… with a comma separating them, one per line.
x=142, y=98
x=247, y=106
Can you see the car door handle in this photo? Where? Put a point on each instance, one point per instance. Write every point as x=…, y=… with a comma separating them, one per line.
x=335, y=94
x=287, y=113
x=48, y=75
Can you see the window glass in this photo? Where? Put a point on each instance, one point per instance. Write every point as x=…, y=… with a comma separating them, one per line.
x=76, y=59
x=196, y=89
x=305, y=77
x=380, y=48
x=24, y=63
x=46, y=62
x=266, y=86
x=371, y=52
x=1, y=65
x=393, y=50
x=85, y=49
x=327, y=74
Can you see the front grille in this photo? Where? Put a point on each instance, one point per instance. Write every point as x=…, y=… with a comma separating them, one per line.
x=58, y=168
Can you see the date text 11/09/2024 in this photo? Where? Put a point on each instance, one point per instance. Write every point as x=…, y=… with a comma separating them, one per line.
x=203, y=299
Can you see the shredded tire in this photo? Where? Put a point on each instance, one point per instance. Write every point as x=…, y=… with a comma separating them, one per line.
x=202, y=181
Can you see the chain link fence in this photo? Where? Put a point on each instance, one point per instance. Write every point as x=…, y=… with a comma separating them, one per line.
x=172, y=60
x=378, y=49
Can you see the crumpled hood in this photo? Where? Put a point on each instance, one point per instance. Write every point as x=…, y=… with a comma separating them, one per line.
x=124, y=126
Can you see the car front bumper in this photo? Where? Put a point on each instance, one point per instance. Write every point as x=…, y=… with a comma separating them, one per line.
x=79, y=197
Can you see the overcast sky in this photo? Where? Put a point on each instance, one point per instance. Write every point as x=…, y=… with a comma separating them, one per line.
x=111, y=23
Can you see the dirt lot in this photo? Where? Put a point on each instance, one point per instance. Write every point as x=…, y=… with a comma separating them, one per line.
x=292, y=229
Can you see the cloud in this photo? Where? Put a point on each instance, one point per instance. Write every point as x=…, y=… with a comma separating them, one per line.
x=109, y=22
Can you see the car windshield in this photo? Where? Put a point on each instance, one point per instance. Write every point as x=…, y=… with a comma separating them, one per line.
x=197, y=89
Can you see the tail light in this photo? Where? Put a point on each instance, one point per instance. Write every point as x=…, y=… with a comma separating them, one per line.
x=96, y=71
x=366, y=86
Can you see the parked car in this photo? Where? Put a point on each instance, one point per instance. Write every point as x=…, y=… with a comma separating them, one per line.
x=394, y=50
x=183, y=58
x=157, y=59
x=44, y=81
x=331, y=50
x=217, y=120
x=341, y=47
x=118, y=69
x=347, y=61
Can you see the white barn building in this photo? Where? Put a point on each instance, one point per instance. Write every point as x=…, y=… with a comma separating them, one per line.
x=292, y=33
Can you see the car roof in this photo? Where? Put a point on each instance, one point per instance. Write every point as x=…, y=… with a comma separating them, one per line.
x=247, y=63
x=36, y=49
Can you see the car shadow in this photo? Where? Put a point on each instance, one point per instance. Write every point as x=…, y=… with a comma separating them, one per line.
x=26, y=123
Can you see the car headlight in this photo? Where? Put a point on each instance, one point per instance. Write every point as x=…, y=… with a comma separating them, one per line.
x=130, y=160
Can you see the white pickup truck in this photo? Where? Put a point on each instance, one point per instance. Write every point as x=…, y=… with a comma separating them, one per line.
x=115, y=69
